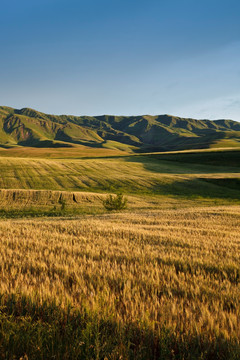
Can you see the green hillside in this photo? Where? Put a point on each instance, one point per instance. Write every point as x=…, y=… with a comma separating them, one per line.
x=27, y=127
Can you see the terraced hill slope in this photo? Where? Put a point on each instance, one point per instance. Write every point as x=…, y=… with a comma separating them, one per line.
x=28, y=127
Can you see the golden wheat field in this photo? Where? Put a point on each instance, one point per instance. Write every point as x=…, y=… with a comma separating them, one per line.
x=179, y=268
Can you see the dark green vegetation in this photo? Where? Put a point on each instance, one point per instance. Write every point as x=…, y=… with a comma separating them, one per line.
x=27, y=127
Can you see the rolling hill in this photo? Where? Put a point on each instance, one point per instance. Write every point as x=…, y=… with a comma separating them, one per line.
x=28, y=127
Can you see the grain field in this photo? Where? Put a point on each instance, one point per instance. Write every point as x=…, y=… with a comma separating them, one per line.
x=159, y=284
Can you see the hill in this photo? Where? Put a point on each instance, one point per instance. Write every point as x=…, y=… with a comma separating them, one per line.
x=28, y=127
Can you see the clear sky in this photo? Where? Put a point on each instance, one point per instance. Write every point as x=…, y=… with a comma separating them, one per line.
x=129, y=57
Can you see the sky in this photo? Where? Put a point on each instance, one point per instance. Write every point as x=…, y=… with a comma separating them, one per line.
x=122, y=57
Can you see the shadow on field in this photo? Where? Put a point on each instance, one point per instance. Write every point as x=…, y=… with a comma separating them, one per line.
x=201, y=187
x=189, y=163
x=225, y=158
x=35, y=330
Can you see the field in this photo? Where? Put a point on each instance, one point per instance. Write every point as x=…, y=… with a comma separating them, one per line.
x=159, y=280
x=197, y=174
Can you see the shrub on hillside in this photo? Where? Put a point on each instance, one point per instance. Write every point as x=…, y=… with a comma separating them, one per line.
x=115, y=202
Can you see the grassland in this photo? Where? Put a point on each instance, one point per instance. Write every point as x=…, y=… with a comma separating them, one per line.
x=157, y=281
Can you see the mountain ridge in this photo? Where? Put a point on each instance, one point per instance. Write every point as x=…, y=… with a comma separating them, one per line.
x=29, y=127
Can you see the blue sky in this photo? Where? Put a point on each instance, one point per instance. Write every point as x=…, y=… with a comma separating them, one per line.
x=90, y=57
